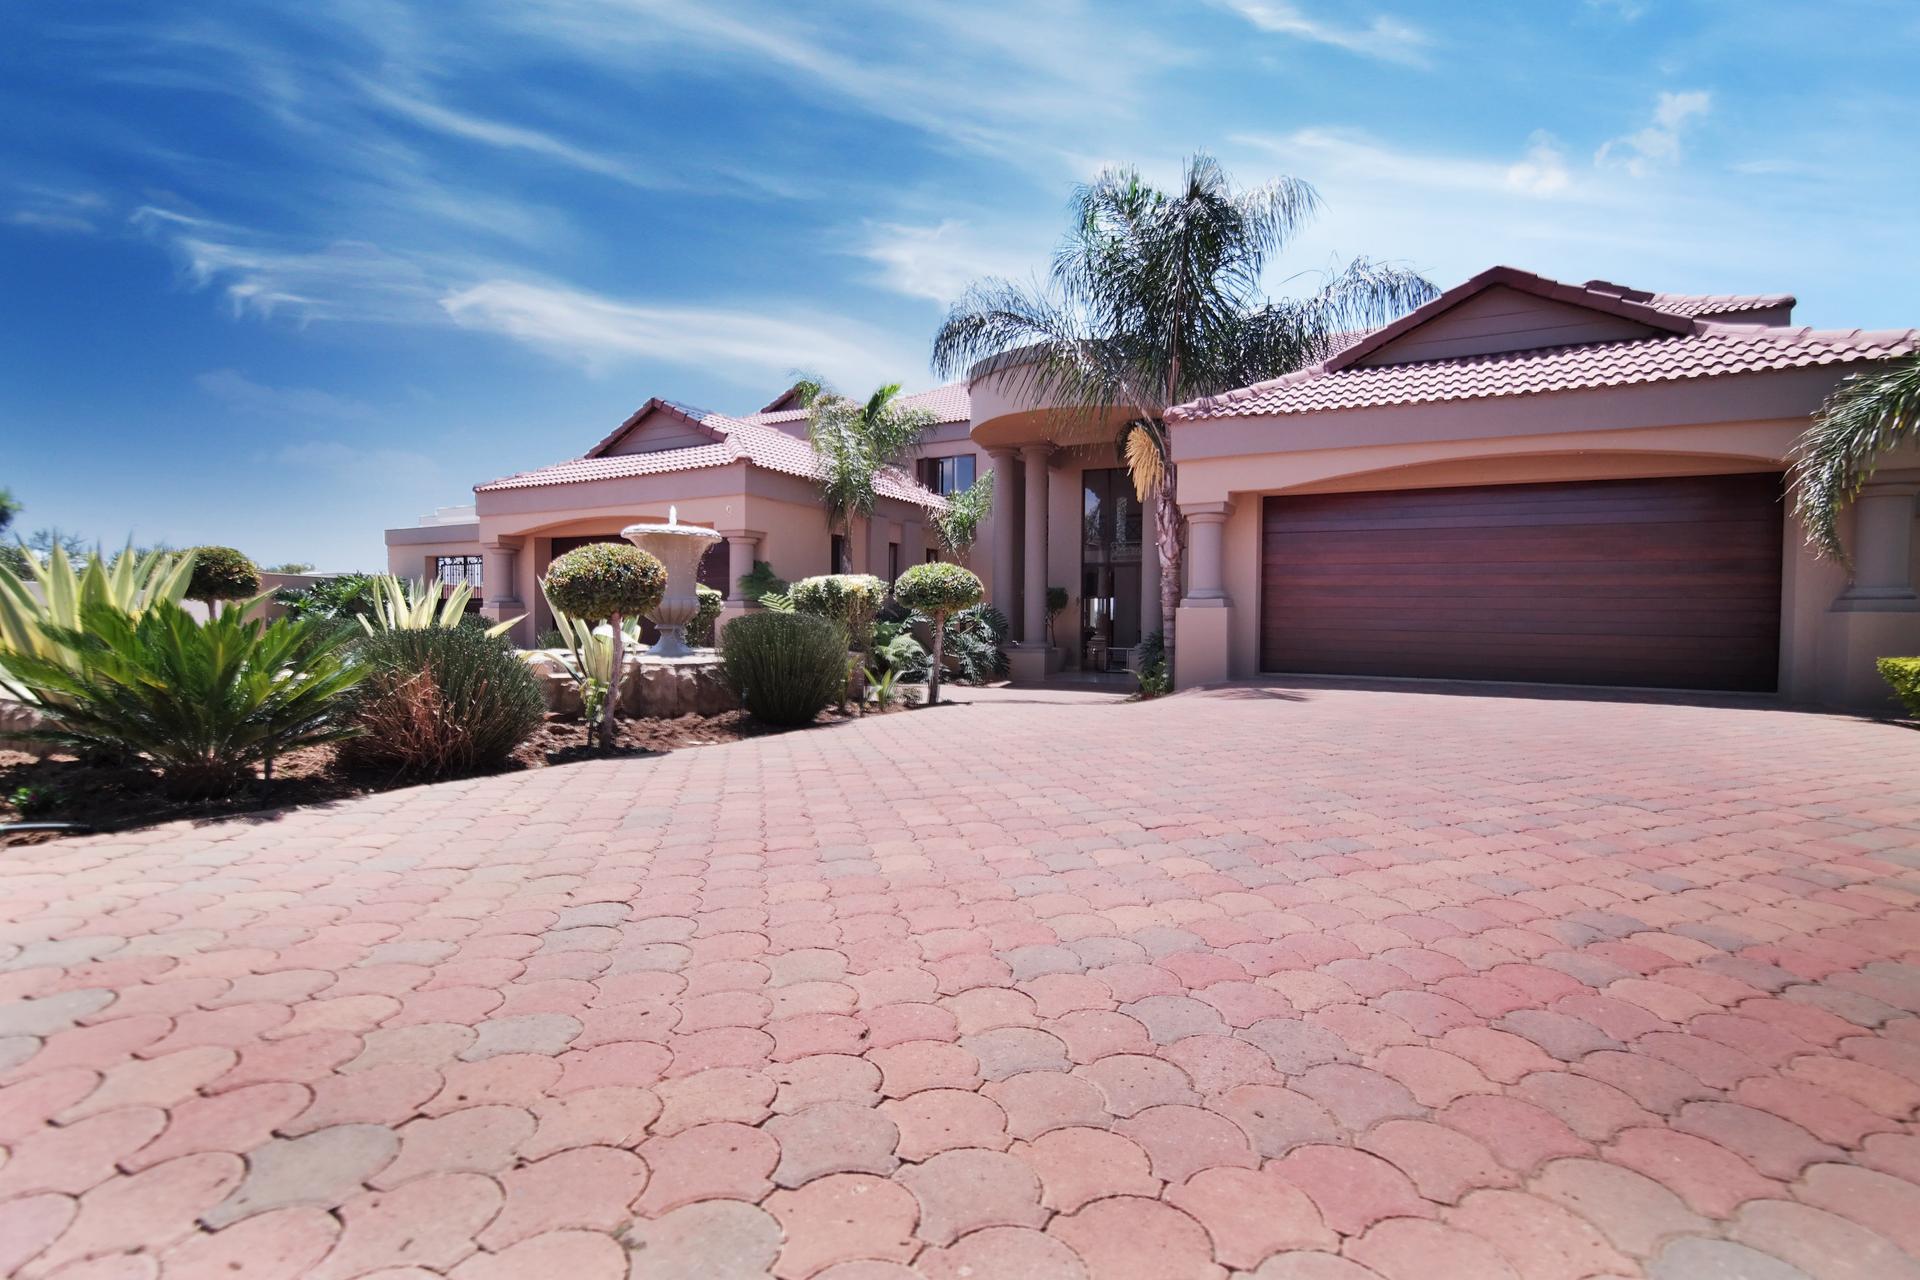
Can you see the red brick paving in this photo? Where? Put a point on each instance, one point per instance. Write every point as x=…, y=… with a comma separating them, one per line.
x=1333, y=985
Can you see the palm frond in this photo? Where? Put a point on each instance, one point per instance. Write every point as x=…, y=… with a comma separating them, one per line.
x=1865, y=416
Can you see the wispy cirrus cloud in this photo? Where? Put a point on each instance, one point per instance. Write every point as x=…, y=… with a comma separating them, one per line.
x=242, y=394
x=938, y=261
x=43, y=208
x=1659, y=142
x=1386, y=38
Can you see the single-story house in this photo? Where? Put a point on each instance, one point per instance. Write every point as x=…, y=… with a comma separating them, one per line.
x=1522, y=480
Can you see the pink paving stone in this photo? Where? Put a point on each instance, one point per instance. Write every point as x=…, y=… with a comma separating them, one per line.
x=634, y=1063
x=1443, y=1163
x=237, y=1121
x=1125, y=1238
x=840, y=1218
x=150, y=1209
x=1775, y=1147
x=430, y=1045
x=588, y=1188
x=283, y=1245
x=29, y=1224
x=429, y=1223
x=1593, y=1110
x=710, y=1240
x=100, y=1045
x=390, y=1095
x=614, y=1116
x=1076, y=1166
x=1249, y=1216
x=1710, y=1178
x=723, y=1093
x=1358, y=1097
x=1352, y=1189
x=577, y=1255
x=1539, y=1239
x=1433, y=1076
x=161, y=1082
x=477, y=1140
x=1893, y=1153
x=709, y=1161
x=1276, y=1119
x=1634, y=1212
x=517, y=1079
x=1001, y=1253
x=1130, y=1083
x=1039, y=1101
x=1181, y=1141
x=833, y=1137
x=30, y=1103
x=1827, y=1115
x=824, y=1078
x=1409, y=1249
x=81, y=1155
x=1886, y=1205
x=1499, y=1055
x=924, y=1064
x=1872, y=1087
x=1821, y=1243
x=939, y=1120
x=963, y=1191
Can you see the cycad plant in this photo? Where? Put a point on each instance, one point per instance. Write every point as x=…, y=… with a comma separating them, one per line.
x=1866, y=415
x=1154, y=299
x=203, y=702
x=856, y=440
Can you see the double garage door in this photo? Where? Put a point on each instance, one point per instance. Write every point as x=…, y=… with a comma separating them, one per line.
x=1667, y=583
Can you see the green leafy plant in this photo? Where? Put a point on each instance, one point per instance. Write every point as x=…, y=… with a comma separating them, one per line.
x=293, y=567
x=221, y=574
x=551, y=638
x=416, y=605
x=1866, y=415
x=786, y=667
x=975, y=644
x=612, y=583
x=439, y=702
x=1155, y=299
x=1153, y=649
x=1903, y=675
x=204, y=702
x=937, y=590
x=900, y=653
x=765, y=588
x=348, y=596
x=1154, y=679
x=957, y=526
x=32, y=620
x=36, y=802
x=853, y=600
x=700, y=630
x=1056, y=604
x=883, y=689
x=856, y=440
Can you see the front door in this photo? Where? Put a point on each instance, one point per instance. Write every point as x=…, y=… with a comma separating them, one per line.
x=1109, y=569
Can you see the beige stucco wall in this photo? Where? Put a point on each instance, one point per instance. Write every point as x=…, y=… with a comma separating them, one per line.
x=1825, y=653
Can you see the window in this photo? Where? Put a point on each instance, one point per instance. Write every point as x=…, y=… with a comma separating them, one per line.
x=835, y=549
x=933, y=555
x=948, y=475
x=893, y=561
x=454, y=571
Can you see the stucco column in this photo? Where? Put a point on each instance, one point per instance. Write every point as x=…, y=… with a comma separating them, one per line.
x=1149, y=573
x=498, y=593
x=1206, y=554
x=1883, y=518
x=1033, y=610
x=743, y=548
x=1006, y=529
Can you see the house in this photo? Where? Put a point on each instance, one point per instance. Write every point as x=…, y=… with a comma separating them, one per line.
x=1522, y=480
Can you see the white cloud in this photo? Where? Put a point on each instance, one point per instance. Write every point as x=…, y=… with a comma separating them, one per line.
x=52, y=209
x=507, y=137
x=1543, y=170
x=1385, y=38
x=242, y=394
x=1659, y=142
x=938, y=262
x=599, y=332
x=1332, y=154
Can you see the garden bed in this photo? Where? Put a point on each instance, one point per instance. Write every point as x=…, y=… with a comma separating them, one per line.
x=118, y=797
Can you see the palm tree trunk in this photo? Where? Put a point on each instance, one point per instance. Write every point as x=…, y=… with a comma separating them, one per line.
x=619, y=645
x=1166, y=538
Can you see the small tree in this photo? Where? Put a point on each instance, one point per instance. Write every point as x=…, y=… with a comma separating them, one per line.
x=1056, y=605
x=937, y=590
x=958, y=527
x=221, y=573
x=607, y=582
x=851, y=599
x=856, y=440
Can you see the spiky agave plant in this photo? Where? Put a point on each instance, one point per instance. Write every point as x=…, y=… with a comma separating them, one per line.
x=1865, y=416
x=33, y=622
x=414, y=605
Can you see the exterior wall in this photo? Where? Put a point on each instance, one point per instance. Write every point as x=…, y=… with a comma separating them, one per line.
x=1826, y=651
x=411, y=551
x=953, y=439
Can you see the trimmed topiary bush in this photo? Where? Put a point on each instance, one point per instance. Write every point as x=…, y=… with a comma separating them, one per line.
x=221, y=573
x=937, y=589
x=786, y=667
x=700, y=630
x=851, y=599
x=1904, y=675
x=606, y=582
x=439, y=702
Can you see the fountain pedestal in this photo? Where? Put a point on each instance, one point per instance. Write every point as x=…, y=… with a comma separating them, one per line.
x=680, y=548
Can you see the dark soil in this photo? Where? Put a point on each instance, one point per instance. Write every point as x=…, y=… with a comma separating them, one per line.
x=116, y=797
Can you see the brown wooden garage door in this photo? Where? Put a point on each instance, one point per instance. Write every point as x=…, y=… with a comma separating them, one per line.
x=1671, y=583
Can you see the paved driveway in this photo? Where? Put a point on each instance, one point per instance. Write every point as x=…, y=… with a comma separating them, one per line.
x=1324, y=986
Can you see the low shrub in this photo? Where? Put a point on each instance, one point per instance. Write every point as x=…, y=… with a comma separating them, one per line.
x=203, y=702
x=348, y=596
x=441, y=701
x=976, y=644
x=786, y=667
x=1903, y=674
x=221, y=573
x=765, y=588
x=700, y=630
x=853, y=600
x=937, y=589
x=606, y=582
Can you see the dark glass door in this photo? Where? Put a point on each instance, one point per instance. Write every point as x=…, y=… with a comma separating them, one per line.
x=1109, y=569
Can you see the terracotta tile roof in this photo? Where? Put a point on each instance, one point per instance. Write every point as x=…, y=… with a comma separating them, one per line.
x=734, y=440
x=947, y=404
x=1711, y=350
x=1692, y=305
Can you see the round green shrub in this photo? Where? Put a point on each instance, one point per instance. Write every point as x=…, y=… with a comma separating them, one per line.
x=937, y=588
x=700, y=630
x=438, y=702
x=786, y=667
x=851, y=599
x=603, y=579
x=221, y=573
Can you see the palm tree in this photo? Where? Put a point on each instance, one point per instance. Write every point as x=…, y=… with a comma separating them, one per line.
x=855, y=441
x=1866, y=415
x=1154, y=299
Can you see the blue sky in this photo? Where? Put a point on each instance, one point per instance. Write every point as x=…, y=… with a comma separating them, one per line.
x=280, y=275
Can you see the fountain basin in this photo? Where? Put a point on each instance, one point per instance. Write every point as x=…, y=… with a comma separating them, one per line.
x=679, y=547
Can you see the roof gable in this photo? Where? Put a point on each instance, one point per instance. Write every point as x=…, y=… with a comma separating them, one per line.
x=656, y=426
x=1504, y=309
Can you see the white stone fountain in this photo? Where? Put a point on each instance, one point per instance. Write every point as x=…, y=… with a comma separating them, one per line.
x=679, y=547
